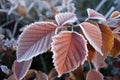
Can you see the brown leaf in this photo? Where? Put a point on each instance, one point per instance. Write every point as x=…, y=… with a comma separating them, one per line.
x=30, y=74
x=77, y=74
x=116, y=64
x=41, y=76
x=116, y=48
x=107, y=39
x=94, y=75
x=12, y=77
x=33, y=74
x=115, y=14
x=91, y=52
x=68, y=78
x=21, y=10
x=116, y=77
x=53, y=75
x=70, y=50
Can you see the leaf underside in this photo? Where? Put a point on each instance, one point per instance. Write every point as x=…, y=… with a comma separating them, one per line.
x=21, y=68
x=70, y=50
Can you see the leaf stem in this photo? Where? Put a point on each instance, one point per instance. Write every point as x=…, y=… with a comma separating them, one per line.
x=90, y=65
x=43, y=64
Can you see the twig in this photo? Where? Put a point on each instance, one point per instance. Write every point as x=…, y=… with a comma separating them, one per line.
x=100, y=5
x=9, y=33
x=3, y=25
x=1, y=3
x=15, y=26
x=6, y=11
x=30, y=7
x=43, y=63
x=109, y=12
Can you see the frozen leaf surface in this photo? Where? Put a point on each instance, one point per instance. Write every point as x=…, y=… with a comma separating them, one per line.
x=21, y=68
x=70, y=50
x=35, y=40
x=93, y=35
x=64, y=18
x=92, y=14
x=94, y=75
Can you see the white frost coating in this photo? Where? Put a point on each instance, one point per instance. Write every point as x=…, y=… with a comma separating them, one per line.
x=40, y=46
x=24, y=69
x=55, y=54
x=5, y=69
x=35, y=50
x=99, y=16
x=91, y=41
x=64, y=18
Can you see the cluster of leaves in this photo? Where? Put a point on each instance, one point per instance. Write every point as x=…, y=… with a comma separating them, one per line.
x=70, y=48
x=95, y=40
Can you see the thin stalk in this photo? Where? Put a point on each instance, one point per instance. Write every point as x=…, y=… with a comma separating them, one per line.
x=100, y=5
x=72, y=28
x=9, y=33
x=5, y=24
x=15, y=26
x=109, y=12
x=43, y=64
x=90, y=65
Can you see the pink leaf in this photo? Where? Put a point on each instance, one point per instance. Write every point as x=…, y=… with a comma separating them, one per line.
x=94, y=75
x=92, y=14
x=70, y=50
x=93, y=35
x=21, y=68
x=64, y=18
x=35, y=40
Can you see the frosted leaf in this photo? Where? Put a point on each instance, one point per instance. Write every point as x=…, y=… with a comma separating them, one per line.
x=70, y=50
x=35, y=40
